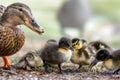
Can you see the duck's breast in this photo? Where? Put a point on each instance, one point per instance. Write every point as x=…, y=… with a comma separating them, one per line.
x=11, y=40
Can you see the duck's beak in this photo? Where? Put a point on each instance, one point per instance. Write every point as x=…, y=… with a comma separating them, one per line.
x=93, y=63
x=34, y=26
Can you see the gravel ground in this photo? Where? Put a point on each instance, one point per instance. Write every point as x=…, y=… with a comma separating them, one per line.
x=67, y=75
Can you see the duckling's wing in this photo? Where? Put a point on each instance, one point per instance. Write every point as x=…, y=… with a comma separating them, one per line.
x=48, y=51
x=84, y=52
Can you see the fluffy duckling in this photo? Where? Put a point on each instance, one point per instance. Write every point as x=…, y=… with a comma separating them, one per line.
x=79, y=56
x=94, y=46
x=111, y=59
x=31, y=60
x=12, y=37
x=57, y=53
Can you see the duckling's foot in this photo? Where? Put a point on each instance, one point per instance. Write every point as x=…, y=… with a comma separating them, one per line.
x=77, y=70
x=60, y=72
x=47, y=70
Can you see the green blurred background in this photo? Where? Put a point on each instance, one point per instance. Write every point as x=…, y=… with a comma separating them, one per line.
x=104, y=13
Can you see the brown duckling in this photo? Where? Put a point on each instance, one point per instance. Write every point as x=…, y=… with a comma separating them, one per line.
x=110, y=59
x=57, y=53
x=12, y=37
x=31, y=60
x=80, y=56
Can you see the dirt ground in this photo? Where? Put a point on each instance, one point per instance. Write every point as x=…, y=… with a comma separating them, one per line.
x=67, y=75
x=32, y=44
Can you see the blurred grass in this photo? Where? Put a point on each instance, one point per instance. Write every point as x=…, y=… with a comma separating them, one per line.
x=108, y=8
x=45, y=12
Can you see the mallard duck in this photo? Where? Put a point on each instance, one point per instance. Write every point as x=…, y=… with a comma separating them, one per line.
x=12, y=37
x=80, y=56
x=111, y=59
x=73, y=15
x=57, y=53
x=31, y=60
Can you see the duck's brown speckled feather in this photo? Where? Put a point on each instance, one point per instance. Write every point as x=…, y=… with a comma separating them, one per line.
x=11, y=40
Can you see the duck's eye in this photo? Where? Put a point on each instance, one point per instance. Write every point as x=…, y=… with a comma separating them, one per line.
x=32, y=21
x=20, y=9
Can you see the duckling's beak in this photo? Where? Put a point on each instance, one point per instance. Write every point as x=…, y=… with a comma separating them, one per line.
x=93, y=63
x=71, y=48
x=34, y=26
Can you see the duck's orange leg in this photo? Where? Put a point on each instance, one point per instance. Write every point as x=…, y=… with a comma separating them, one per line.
x=6, y=61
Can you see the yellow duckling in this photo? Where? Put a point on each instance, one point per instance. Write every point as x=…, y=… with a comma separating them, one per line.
x=79, y=56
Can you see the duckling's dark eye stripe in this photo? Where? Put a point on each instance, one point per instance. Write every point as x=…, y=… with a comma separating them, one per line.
x=75, y=43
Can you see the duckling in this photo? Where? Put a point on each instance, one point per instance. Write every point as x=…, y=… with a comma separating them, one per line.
x=57, y=53
x=79, y=56
x=31, y=60
x=12, y=37
x=110, y=59
x=94, y=46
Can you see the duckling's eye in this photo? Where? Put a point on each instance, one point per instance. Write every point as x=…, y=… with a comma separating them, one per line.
x=20, y=9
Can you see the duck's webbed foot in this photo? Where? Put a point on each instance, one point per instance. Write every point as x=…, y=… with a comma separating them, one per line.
x=6, y=61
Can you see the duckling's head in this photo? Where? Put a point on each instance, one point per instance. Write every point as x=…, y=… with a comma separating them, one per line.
x=77, y=43
x=101, y=55
x=19, y=13
x=65, y=43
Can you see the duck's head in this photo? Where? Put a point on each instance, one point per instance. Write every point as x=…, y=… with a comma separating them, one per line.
x=19, y=13
x=77, y=43
x=65, y=43
x=101, y=55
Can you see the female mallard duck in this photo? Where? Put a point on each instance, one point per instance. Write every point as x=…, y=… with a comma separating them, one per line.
x=56, y=53
x=31, y=60
x=11, y=36
x=111, y=59
x=80, y=55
